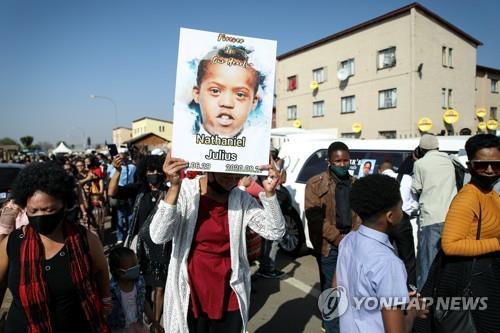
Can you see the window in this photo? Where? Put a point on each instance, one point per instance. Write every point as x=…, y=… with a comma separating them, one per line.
x=318, y=109
x=387, y=134
x=446, y=98
x=396, y=156
x=348, y=104
x=315, y=164
x=387, y=99
x=387, y=58
x=494, y=86
x=349, y=65
x=292, y=83
x=493, y=112
x=319, y=75
x=291, y=112
x=447, y=56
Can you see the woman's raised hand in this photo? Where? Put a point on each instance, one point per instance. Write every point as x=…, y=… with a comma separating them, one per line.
x=172, y=168
x=117, y=162
x=272, y=180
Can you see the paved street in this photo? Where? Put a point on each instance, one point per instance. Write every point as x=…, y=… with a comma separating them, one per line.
x=287, y=305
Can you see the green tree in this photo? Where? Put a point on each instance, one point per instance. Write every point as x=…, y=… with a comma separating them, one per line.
x=7, y=141
x=27, y=141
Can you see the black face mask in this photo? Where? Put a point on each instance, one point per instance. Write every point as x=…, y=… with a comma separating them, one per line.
x=484, y=182
x=154, y=179
x=46, y=224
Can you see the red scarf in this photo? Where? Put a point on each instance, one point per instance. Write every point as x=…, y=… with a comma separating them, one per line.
x=33, y=289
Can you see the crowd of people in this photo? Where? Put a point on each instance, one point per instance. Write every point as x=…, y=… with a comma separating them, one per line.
x=177, y=260
x=363, y=239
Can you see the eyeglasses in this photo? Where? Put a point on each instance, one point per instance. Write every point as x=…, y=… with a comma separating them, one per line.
x=482, y=165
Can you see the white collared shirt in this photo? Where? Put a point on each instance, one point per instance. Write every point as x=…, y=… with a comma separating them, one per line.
x=410, y=204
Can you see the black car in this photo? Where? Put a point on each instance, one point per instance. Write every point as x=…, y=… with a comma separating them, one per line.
x=8, y=172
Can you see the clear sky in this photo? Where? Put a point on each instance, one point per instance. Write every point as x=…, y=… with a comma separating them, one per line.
x=55, y=53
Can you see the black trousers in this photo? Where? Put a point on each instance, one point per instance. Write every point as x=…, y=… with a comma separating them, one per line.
x=402, y=235
x=230, y=323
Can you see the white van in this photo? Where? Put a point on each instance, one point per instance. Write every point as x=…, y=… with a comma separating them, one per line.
x=306, y=156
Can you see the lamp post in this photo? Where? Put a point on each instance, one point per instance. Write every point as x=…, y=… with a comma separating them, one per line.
x=112, y=102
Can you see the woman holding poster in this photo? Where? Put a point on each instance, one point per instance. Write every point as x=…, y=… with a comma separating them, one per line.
x=208, y=281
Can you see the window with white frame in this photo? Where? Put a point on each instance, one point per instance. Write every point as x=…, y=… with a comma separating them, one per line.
x=387, y=98
x=319, y=109
x=387, y=58
x=319, y=74
x=348, y=104
x=291, y=112
x=292, y=83
x=446, y=98
x=494, y=86
x=493, y=112
x=447, y=56
x=349, y=65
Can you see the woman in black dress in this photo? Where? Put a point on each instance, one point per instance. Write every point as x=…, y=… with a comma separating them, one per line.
x=56, y=270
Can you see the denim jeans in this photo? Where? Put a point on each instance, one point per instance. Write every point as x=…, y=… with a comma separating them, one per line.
x=268, y=256
x=123, y=216
x=327, y=266
x=428, y=246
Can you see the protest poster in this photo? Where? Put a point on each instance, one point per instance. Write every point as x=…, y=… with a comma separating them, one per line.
x=223, y=101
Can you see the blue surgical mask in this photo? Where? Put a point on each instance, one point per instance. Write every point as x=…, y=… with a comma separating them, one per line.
x=132, y=273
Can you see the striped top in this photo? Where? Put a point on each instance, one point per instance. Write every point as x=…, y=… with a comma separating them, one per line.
x=460, y=227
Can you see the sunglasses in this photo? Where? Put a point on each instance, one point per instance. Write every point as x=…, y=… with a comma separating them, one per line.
x=482, y=165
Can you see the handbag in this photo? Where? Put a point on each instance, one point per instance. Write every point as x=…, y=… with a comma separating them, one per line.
x=451, y=321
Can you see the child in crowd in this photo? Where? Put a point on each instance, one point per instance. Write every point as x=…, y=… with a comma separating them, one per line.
x=128, y=291
x=367, y=266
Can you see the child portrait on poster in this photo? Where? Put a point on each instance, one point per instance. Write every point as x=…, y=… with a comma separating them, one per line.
x=226, y=92
x=223, y=101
